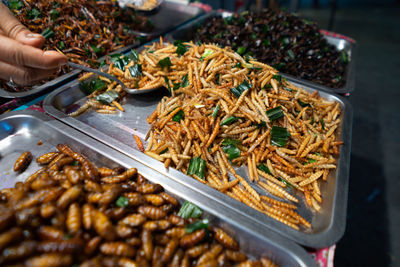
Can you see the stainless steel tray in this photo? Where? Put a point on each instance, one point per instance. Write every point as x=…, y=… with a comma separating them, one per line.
x=21, y=131
x=116, y=131
x=168, y=16
x=183, y=33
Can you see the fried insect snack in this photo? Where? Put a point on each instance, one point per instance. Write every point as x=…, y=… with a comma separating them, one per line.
x=82, y=30
x=227, y=111
x=23, y=161
x=283, y=40
x=127, y=221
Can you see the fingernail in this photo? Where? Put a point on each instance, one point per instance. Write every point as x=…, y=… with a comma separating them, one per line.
x=33, y=35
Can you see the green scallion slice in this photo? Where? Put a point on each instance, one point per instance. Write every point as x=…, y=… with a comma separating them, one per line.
x=238, y=90
x=197, y=166
x=279, y=136
x=229, y=120
x=189, y=210
x=275, y=113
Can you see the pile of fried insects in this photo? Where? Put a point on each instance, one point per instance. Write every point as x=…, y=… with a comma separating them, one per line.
x=226, y=111
x=72, y=213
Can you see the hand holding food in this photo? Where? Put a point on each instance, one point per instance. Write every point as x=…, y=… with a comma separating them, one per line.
x=21, y=59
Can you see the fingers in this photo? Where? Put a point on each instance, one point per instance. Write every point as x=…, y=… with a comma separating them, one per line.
x=16, y=53
x=22, y=75
x=12, y=28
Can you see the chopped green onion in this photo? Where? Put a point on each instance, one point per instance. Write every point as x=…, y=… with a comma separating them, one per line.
x=229, y=120
x=238, y=90
x=61, y=45
x=253, y=36
x=136, y=70
x=241, y=50
x=288, y=89
x=178, y=116
x=75, y=163
x=203, y=224
x=279, y=136
x=275, y=113
x=265, y=28
x=267, y=43
x=165, y=63
x=91, y=86
x=119, y=63
x=134, y=55
x=229, y=141
x=185, y=81
x=285, y=182
x=189, y=210
x=232, y=151
x=48, y=33
x=291, y=54
x=33, y=14
x=108, y=97
x=238, y=65
x=15, y=4
x=166, y=80
x=96, y=49
x=277, y=77
x=262, y=124
x=197, y=166
x=309, y=161
x=302, y=104
x=264, y=168
x=215, y=112
x=207, y=52
x=180, y=47
x=122, y=202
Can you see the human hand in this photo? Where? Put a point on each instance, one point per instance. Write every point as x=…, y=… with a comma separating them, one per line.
x=20, y=55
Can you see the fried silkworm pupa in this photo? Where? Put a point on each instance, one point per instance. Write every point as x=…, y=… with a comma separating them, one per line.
x=10, y=236
x=147, y=243
x=169, y=250
x=117, y=249
x=49, y=259
x=192, y=239
x=23, y=161
x=226, y=240
x=18, y=252
x=152, y=212
x=103, y=225
x=47, y=158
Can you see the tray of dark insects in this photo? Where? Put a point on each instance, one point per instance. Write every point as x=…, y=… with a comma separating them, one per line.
x=326, y=221
x=122, y=232
x=220, y=27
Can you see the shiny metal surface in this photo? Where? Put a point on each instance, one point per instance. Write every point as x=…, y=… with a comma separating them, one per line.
x=116, y=131
x=21, y=131
x=170, y=15
x=182, y=33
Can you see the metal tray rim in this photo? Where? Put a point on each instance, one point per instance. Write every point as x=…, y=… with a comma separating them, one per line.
x=331, y=235
x=298, y=253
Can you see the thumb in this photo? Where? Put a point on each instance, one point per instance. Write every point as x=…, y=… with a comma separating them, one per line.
x=12, y=28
